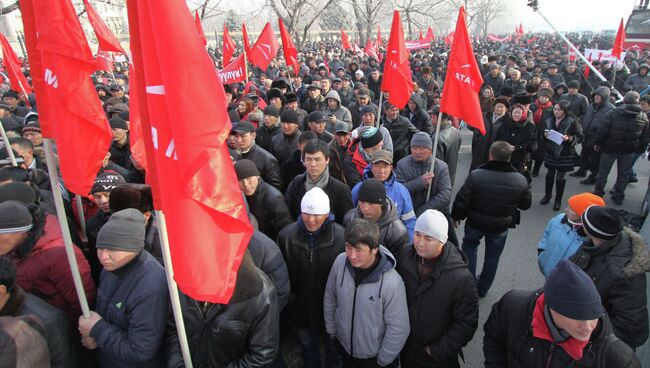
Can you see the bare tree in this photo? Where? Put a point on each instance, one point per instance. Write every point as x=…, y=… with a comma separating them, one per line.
x=489, y=10
x=416, y=12
x=299, y=15
x=367, y=14
x=207, y=8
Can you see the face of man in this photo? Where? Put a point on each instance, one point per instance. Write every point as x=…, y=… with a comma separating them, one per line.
x=345, y=83
x=332, y=104
x=297, y=81
x=420, y=153
x=289, y=128
x=28, y=154
x=494, y=72
x=8, y=242
x=113, y=259
x=644, y=105
x=313, y=222
x=317, y=127
x=119, y=135
x=374, y=75
x=249, y=185
x=342, y=139
x=360, y=256
x=426, y=246
x=363, y=100
x=325, y=84
x=412, y=106
x=276, y=101
x=381, y=170
x=315, y=164
x=579, y=330
x=552, y=71
x=11, y=101
x=228, y=98
x=269, y=120
x=101, y=199
x=245, y=140
x=517, y=114
x=427, y=76
x=314, y=93
x=643, y=71
x=573, y=91
x=370, y=211
x=232, y=141
x=336, y=85
x=392, y=113
x=571, y=68
x=515, y=75
x=117, y=93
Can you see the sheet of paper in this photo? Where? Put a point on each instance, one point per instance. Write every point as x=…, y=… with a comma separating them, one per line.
x=555, y=136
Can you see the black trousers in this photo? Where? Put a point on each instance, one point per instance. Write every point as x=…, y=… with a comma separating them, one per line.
x=590, y=160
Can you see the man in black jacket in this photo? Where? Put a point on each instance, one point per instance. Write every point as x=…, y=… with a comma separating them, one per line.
x=400, y=128
x=270, y=127
x=283, y=145
x=436, y=278
x=622, y=137
x=247, y=149
x=490, y=200
x=563, y=325
x=417, y=114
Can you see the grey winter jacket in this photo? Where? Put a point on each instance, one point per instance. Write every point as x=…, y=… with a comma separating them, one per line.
x=638, y=82
x=392, y=231
x=409, y=172
x=369, y=320
x=449, y=143
x=341, y=113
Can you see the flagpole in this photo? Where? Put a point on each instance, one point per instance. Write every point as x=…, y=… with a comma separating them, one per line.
x=434, y=152
x=10, y=152
x=173, y=289
x=63, y=223
x=245, y=66
x=381, y=98
x=82, y=220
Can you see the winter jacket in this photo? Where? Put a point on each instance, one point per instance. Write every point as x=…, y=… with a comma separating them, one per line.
x=264, y=134
x=563, y=157
x=559, y=241
x=309, y=258
x=624, y=130
x=133, y=302
x=392, y=232
x=409, y=172
x=449, y=142
x=522, y=135
x=311, y=105
x=516, y=86
x=556, y=79
x=338, y=193
x=93, y=224
x=369, y=320
x=495, y=82
x=45, y=272
x=341, y=113
x=268, y=206
x=338, y=154
x=638, y=82
x=241, y=334
x=121, y=155
x=491, y=197
x=355, y=112
x=267, y=257
x=481, y=143
x=401, y=131
x=618, y=268
x=420, y=118
x=266, y=164
x=398, y=193
x=577, y=104
x=282, y=146
x=509, y=340
x=594, y=117
x=450, y=290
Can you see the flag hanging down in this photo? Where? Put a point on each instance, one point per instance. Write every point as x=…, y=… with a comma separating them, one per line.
x=345, y=40
x=207, y=222
x=247, y=44
x=106, y=38
x=13, y=65
x=370, y=49
x=380, y=42
x=463, y=80
x=199, y=27
x=289, y=50
x=430, y=36
x=617, y=49
x=397, y=71
x=265, y=48
x=421, y=36
x=69, y=108
x=229, y=47
x=104, y=61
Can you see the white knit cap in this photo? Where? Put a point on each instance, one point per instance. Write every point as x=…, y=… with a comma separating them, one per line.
x=434, y=224
x=315, y=202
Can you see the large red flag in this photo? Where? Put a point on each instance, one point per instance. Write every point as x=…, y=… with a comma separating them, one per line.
x=430, y=35
x=345, y=40
x=228, y=46
x=70, y=107
x=13, y=65
x=380, y=42
x=199, y=27
x=233, y=72
x=421, y=36
x=104, y=61
x=207, y=223
x=106, y=38
x=265, y=48
x=617, y=49
x=397, y=71
x=289, y=50
x=247, y=44
x=370, y=49
x=463, y=80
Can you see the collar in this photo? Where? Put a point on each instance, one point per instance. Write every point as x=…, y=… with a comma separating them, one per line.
x=574, y=348
x=14, y=303
x=129, y=267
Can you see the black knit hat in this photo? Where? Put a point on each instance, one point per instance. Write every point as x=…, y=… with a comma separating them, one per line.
x=602, y=222
x=570, y=292
x=246, y=169
x=106, y=181
x=17, y=191
x=372, y=191
x=272, y=111
x=370, y=137
x=573, y=84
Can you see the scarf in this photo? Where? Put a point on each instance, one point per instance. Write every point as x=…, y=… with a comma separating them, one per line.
x=321, y=182
x=574, y=348
x=537, y=117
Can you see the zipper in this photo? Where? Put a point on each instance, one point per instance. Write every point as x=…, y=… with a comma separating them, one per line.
x=354, y=305
x=550, y=356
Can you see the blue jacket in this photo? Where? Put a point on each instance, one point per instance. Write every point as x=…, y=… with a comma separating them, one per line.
x=133, y=302
x=559, y=241
x=398, y=193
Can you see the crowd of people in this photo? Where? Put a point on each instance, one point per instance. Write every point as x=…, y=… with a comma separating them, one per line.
x=355, y=254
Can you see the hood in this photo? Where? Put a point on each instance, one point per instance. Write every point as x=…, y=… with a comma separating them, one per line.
x=640, y=260
x=630, y=110
x=387, y=262
x=417, y=99
x=389, y=213
x=603, y=92
x=560, y=85
x=334, y=95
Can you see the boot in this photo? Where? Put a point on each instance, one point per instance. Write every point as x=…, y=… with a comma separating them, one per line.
x=580, y=173
x=559, y=192
x=548, y=190
x=538, y=165
x=591, y=180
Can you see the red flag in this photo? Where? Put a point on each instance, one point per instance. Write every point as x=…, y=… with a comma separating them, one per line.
x=345, y=40
x=66, y=96
x=289, y=50
x=463, y=80
x=618, y=42
x=587, y=69
x=228, y=46
x=421, y=37
x=136, y=134
x=430, y=35
x=233, y=72
x=265, y=48
x=106, y=38
x=247, y=45
x=370, y=49
x=207, y=223
x=380, y=42
x=450, y=38
x=199, y=27
x=397, y=71
x=356, y=48
x=104, y=61
x=13, y=66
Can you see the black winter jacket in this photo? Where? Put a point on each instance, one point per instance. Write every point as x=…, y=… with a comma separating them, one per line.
x=266, y=164
x=594, y=117
x=625, y=130
x=521, y=135
x=491, y=197
x=282, y=146
x=268, y=206
x=401, y=131
x=563, y=157
x=264, y=135
x=577, y=104
x=392, y=232
x=450, y=290
x=267, y=257
x=420, y=118
x=339, y=194
x=509, y=340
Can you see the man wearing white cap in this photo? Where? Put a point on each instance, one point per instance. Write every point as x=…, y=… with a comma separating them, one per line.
x=436, y=278
x=310, y=246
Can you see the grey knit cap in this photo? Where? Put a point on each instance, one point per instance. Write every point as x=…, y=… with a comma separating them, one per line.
x=125, y=230
x=421, y=139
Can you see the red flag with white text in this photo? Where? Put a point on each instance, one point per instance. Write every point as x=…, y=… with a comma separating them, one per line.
x=105, y=37
x=265, y=48
x=14, y=68
x=233, y=72
x=397, y=70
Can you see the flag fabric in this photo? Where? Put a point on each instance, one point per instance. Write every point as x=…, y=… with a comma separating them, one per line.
x=450, y=38
x=421, y=36
x=356, y=49
x=106, y=38
x=587, y=69
x=380, y=42
x=229, y=47
x=430, y=36
x=397, y=71
x=233, y=72
x=288, y=49
x=13, y=66
x=618, y=42
x=199, y=27
x=207, y=223
x=136, y=135
x=69, y=107
x=370, y=49
x=247, y=44
x=104, y=61
x=417, y=45
x=463, y=80
x=265, y=49
x=345, y=40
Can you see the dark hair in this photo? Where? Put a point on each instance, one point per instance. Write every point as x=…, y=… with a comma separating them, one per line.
x=306, y=136
x=564, y=106
x=22, y=143
x=501, y=151
x=15, y=173
x=362, y=231
x=7, y=273
x=315, y=146
x=645, y=98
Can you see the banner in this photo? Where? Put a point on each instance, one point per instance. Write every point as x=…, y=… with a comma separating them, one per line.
x=417, y=45
x=233, y=72
x=600, y=55
x=495, y=38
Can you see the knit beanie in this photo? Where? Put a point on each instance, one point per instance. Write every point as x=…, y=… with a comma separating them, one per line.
x=370, y=137
x=14, y=217
x=570, y=292
x=125, y=230
x=106, y=181
x=601, y=222
x=372, y=191
x=368, y=109
x=580, y=202
x=118, y=123
x=434, y=224
x=32, y=126
x=246, y=169
x=17, y=191
x=315, y=202
x=421, y=139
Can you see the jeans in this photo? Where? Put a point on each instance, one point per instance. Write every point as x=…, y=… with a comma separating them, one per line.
x=624, y=164
x=310, y=344
x=494, y=244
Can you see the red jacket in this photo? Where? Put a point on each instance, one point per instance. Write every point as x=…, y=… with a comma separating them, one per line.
x=45, y=272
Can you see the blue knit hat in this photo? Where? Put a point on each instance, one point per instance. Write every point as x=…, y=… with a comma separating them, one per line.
x=570, y=292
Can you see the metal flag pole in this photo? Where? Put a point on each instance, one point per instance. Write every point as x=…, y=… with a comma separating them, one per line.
x=379, y=108
x=82, y=220
x=434, y=152
x=65, y=230
x=10, y=152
